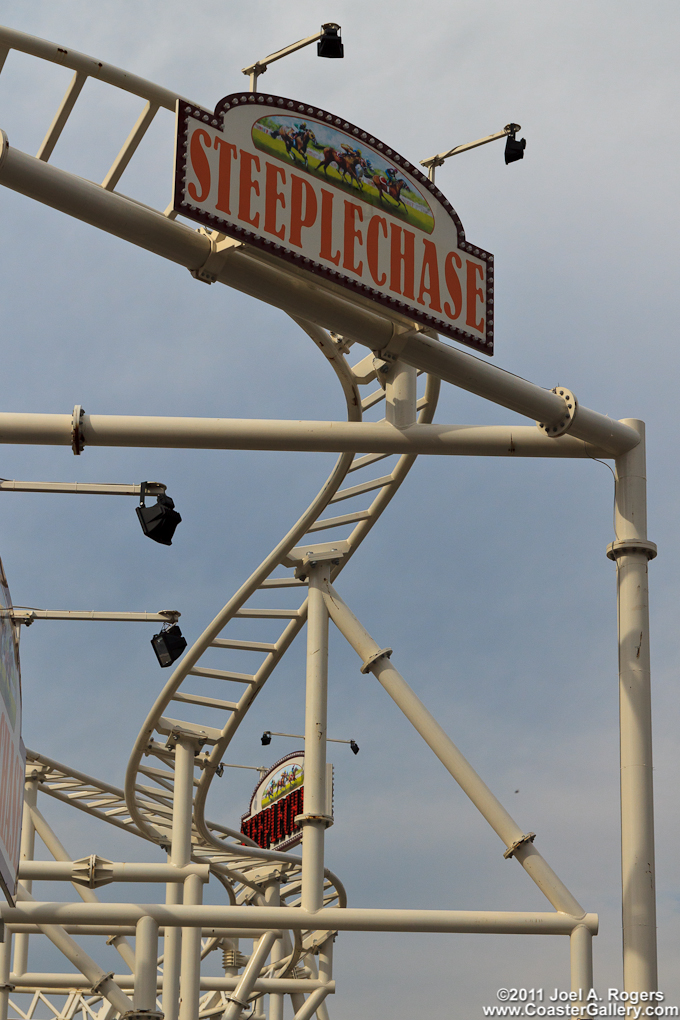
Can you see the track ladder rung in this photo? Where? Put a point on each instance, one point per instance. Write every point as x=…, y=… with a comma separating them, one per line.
x=370, y=458
x=285, y=582
x=357, y=490
x=244, y=646
x=223, y=674
x=268, y=614
x=336, y=522
x=195, y=699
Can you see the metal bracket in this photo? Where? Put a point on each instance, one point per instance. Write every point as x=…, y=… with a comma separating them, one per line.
x=209, y=271
x=304, y=555
x=366, y=665
x=566, y=420
x=92, y=871
x=528, y=838
x=631, y=545
x=77, y=438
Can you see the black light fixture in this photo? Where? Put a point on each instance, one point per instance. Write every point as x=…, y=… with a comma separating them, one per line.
x=354, y=746
x=266, y=738
x=514, y=147
x=160, y=520
x=330, y=43
x=168, y=645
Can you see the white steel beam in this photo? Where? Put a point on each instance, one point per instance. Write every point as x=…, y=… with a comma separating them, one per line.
x=294, y=918
x=312, y=436
x=296, y=294
x=631, y=552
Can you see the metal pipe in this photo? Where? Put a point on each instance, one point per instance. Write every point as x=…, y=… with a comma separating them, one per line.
x=59, y=852
x=83, y=488
x=26, y=853
x=316, y=814
x=298, y=295
x=377, y=661
x=581, y=954
x=180, y=856
x=63, y=871
x=190, y=966
x=246, y=983
x=632, y=551
x=311, y=1004
x=97, y=978
x=146, y=968
x=118, y=930
x=210, y=918
x=60, y=981
x=400, y=395
x=272, y=897
x=312, y=436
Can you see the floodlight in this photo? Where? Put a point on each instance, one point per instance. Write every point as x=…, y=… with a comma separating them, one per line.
x=168, y=645
x=354, y=746
x=330, y=43
x=266, y=737
x=158, y=521
x=514, y=148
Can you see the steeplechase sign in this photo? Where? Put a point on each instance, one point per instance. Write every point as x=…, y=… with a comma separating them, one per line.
x=309, y=188
x=276, y=802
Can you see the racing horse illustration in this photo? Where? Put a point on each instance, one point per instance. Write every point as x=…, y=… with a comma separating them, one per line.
x=347, y=163
x=393, y=188
x=296, y=142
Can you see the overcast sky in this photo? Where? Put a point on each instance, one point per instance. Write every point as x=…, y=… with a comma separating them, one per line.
x=489, y=580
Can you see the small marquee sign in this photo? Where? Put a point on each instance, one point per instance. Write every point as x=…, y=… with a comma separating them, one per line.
x=301, y=185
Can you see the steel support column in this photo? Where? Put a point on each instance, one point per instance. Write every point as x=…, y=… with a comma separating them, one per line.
x=631, y=551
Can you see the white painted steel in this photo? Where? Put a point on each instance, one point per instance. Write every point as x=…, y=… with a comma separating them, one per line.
x=26, y=851
x=296, y=919
x=249, y=977
x=581, y=955
x=159, y=793
x=632, y=551
x=449, y=755
x=116, y=871
x=299, y=296
x=316, y=814
x=83, y=488
x=59, y=982
x=146, y=956
x=312, y=436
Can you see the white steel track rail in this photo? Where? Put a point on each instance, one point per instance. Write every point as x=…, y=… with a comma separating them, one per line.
x=179, y=750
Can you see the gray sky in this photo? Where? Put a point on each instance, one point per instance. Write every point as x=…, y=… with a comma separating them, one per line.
x=489, y=579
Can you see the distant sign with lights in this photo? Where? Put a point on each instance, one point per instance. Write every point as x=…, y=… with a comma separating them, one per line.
x=276, y=802
x=298, y=184
x=12, y=751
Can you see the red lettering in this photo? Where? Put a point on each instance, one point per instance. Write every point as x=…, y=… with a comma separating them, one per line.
x=474, y=292
x=378, y=223
x=402, y=256
x=453, y=285
x=227, y=152
x=431, y=285
x=246, y=185
x=352, y=234
x=273, y=198
x=327, y=228
x=302, y=193
x=200, y=165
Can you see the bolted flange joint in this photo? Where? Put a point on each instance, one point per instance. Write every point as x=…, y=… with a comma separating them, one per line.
x=366, y=665
x=528, y=837
x=631, y=545
x=566, y=419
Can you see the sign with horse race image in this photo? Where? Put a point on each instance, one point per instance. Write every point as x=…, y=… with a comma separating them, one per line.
x=299, y=184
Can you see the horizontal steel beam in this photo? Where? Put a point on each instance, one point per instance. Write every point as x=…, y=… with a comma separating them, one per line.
x=54, y=982
x=298, y=295
x=84, y=488
x=130, y=929
x=110, y=871
x=315, y=436
x=27, y=616
x=328, y=919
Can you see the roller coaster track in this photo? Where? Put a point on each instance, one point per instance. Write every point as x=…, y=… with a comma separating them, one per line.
x=196, y=686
